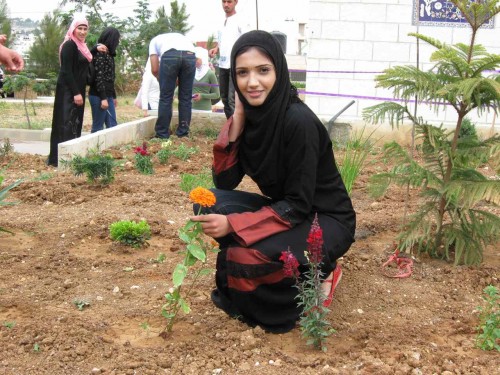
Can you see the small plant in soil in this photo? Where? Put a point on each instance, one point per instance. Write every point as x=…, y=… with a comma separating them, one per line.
x=143, y=161
x=159, y=259
x=183, y=152
x=163, y=155
x=9, y=325
x=488, y=337
x=313, y=319
x=81, y=304
x=190, y=181
x=98, y=168
x=194, y=255
x=130, y=233
x=3, y=195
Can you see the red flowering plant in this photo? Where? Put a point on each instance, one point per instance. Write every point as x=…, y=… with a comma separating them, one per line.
x=313, y=323
x=143, y=161
x=197, y=247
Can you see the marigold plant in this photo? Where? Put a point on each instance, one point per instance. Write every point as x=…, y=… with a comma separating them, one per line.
x=202, y=196
x=196, y=250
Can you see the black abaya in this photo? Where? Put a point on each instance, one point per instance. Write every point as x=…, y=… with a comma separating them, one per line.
x=67, y=118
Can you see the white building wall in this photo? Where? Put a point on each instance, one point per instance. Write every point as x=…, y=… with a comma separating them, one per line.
x=366, y=36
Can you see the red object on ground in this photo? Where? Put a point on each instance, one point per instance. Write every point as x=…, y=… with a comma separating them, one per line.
x=404, y=266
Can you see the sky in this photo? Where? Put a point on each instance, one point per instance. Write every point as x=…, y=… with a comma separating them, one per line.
x=205, y=15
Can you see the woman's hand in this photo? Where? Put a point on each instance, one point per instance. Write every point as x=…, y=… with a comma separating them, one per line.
x=213, y=225
x=78, y=99
x=102, y=48
x=196, y=97
x=104, y=104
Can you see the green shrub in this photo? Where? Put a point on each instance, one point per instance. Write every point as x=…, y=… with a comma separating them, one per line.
x=163, y=155
x=190, y=181
x=488, y=337
x=130, y=233
x=468, y=129
x=183, y=152
x=95, y=166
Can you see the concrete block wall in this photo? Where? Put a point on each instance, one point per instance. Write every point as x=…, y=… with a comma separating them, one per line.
x=370, y=36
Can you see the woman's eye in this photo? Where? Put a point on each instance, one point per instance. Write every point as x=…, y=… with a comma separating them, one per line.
x=241, y=72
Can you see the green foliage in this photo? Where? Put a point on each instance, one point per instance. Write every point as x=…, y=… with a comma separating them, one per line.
x=163, y=155
x=3, y=195
x=159, y=259
x=468, y=129
x=488, y=337
x=130, y=233
x=6, y=148
x=9, y=325
x=190, y=181
x=183, y=152
x=44, y=53
x=81, y=304
x=356, y=151
x=37, y=348
x=98, y=168
x=468, y=227
x=144, y=164
x=455, y=217
x=192, y=267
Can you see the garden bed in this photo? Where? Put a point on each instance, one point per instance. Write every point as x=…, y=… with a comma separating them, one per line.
x=61, y=253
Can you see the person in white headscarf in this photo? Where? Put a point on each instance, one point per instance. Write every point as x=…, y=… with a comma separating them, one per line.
x=149, y=94
x=206, y=86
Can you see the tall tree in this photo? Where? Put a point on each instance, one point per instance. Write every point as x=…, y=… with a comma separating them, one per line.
x=5, y=24
x=178, y=18
x=44, y=53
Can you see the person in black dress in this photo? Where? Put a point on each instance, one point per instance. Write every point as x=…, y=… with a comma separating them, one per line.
x=69, y=101
x=275, y=139
x=102, y=94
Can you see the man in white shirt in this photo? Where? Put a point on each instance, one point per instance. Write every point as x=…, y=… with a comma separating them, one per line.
x=173, y=61
x=230, y=32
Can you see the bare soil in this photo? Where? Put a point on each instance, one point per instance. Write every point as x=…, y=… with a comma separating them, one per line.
x=61, y=253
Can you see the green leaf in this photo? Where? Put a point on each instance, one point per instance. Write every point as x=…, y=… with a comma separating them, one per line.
x=197, y=252
x=184, y=306
x=179, y=274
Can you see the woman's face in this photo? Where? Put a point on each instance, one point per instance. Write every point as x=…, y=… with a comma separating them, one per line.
x=81, y=32
x=255, y=76
x=198, y=63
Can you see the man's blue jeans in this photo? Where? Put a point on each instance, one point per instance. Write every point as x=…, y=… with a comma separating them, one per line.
x=102, y=116
x=175, y=67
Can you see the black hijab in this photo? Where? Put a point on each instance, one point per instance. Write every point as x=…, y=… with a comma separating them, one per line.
x=110, y=37
x=262, y=141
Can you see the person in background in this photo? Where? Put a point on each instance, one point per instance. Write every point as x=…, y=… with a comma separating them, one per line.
x=173, y=62
x=102, y=93
x=275, y=139
x=206, y=87
x=226, y=36
x=149, y=93
x=69, y=101
x=9, y=58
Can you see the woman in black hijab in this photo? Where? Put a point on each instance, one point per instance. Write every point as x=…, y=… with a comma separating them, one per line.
x=102, y=94
x=284, y=148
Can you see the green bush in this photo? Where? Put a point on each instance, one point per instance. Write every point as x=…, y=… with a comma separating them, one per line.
x=190, y=181
x=95, y=166
x=130, y=233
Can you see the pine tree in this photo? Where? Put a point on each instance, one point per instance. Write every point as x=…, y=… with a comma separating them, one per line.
x=455, y=220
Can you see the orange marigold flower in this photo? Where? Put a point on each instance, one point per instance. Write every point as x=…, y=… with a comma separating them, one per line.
x=202, y=196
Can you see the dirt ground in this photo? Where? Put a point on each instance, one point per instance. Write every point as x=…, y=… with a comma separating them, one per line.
x=61, y=252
